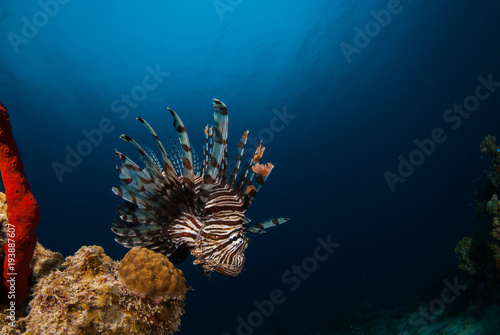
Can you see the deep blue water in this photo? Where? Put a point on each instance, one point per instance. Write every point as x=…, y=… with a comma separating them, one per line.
x=355, y=84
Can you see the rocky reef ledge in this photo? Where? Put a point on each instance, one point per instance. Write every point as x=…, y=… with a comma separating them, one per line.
x=89, y=293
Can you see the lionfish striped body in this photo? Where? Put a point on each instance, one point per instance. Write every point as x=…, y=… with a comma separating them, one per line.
x=183, y=205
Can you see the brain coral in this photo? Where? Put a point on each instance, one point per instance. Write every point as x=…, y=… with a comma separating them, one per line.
x=146, y=272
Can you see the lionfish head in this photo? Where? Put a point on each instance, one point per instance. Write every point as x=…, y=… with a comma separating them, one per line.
x=222, y=254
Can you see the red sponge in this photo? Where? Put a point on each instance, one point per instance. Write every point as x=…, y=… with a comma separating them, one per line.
x=23, y=216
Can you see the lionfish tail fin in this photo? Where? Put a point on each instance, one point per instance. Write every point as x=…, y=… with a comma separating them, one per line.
x=260, y=227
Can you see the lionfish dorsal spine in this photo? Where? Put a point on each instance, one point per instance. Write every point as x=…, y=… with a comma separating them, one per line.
x=175, y=155
x=207, y=148
x=151, y=174
x=223, y=170
x=262, y=171
x=242, y=182
x=187, y=157
x=241, y=150
x=136, y=182
x=167, y=165
x=220, y=141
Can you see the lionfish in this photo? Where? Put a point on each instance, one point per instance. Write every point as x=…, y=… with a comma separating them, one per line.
x=183, y=205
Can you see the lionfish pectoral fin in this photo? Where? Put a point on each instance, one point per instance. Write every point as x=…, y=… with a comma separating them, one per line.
x=260, y=226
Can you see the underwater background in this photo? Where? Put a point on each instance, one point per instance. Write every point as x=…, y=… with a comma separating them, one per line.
x=344, y=96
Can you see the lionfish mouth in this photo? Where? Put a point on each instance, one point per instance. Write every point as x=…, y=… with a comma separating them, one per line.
x=183, y=205
x=226, y=269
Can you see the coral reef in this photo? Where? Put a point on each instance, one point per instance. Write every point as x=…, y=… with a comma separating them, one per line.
x=87, y=298
x=475, y=254
x=23, y=216
x=463, y=250
x=489, y=146
x=479, y=256
x=492, y=206
x=3, y=206
x=82, y=294
x=45, y=261
x=3, y=224
x=147, y=272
